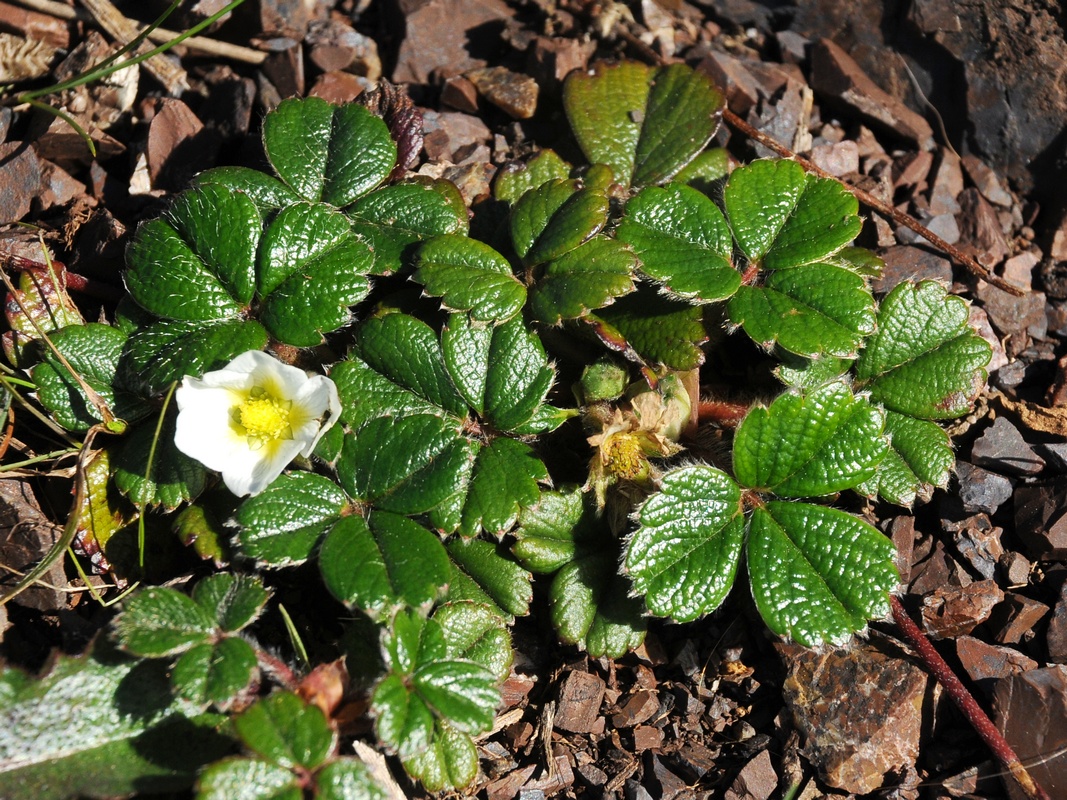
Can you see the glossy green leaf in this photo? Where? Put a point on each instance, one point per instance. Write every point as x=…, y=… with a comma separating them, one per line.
x=659, y=330
x=505, y=480
x=282, y=728
x=462, y=692
x=99, y=726
x=591, y=605
x=248, y=779
x=93, y=352
x=924, y=360
x=174, y=478
x=550, y=532
x=328, y=153
x=166, y=351
x=645, y=123
x=920, y=458
x=451, y=761
x=553, y=219
x=589, y=277
x=235, y=601
x=817, y=310
x=393, y=218
x=706, y=169
x=347, y=779
x=160, y=622
x=683, y=242
x=214, y=672
x=516, y=179
x=312, y=268
x=684, y=555
x=37, y=305
x=811, y=373
x=282, y=525
x=383, y=562
x=810, y=444
x=403, y=720
x=781, y=217
x=470, y=276
x=818, y=574
x=475, y=632
x=503, y=581
x=267, y=192
x=197, y=262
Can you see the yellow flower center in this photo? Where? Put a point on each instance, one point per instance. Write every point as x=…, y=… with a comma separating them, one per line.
x=624, y=458
x=263, y=417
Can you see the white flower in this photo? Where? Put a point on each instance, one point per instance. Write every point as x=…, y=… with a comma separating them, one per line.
x=250, y=419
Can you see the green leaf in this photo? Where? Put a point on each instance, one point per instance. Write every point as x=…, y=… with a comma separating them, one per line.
x=383, y=562
x=174, y=478
x=451, y=761
x=281, y=525
x=39, y=304
x=347, y=779
x=235, y=601
x=549, y=533
x=684, y=555
x=267, y=192
x=645, y=123
x=591, y=605
x=658, y=329
x=809, y=444
x=395, y=217
x=818, y=574
x=214, y=672
x=920, y=458
x=198, y=261
x=160, y=622
x=475, y=632
x=505, y=480
x=92, y=351
x=781, y=217
x=819, y=309
x=589, y=277
x=284, y=729
x=99, y=726
x=248, y=779
x=470, y=276
x=924, y=360
x=554, y=219
x=156, y=356
x=506, y=584
x=403, y=720
x=311, y=269
x=328, y=153
x=683, y=242
x=811, y=373
x=405, y=464
x=516, y=179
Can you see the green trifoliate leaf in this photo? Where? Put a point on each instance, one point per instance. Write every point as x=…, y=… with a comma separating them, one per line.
x=549, y=533
x=589, y=277
x=214, y=672
x=592, y=606
x=515, y=179
x=683, y=242
x=684, y=555
x=475, y=632
x=816, y=310
x=924, y=361
x=645, y=123
x=451, y=761
x=709, y=166
x=470, y=276
x=393, y=218
x=312, y=267
x=100, y=726
x=172, y=478
x=504, y=481
x=328, y=153
x=282, y=525
x=810, y=444
x=920, y=458
x=503, y=582
x=166, y=351
x=284, y=729
x=860, y=260
x=383, y=562
x=93, y=352
x=811, y=373
x=248, y=779
x=405, y=464
x=233, y=600
x=817, y=574
x=267, y=192
x=197, y=262
x=782, y=218
x=162, y=622
x=657, y=329
x=555, y=218
x=347, y=779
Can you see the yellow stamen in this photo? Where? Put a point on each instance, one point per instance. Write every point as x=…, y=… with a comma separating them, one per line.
x=263, y=418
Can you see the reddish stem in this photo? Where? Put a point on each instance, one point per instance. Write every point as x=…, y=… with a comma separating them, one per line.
x=966, y=703
x=722, y=413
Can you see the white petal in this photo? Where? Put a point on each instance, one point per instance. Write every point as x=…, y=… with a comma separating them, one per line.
x=317, y=401
x=259, y=468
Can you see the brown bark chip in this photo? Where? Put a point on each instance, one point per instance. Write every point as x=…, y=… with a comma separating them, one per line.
x=580, y=696
x=1031, y=712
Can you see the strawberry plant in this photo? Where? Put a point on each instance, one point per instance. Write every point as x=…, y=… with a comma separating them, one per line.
x=482, y=411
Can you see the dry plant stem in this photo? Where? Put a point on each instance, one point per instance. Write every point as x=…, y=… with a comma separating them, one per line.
x=873, y=202
x=162, y=69
x=966, y=703
x=160, y=35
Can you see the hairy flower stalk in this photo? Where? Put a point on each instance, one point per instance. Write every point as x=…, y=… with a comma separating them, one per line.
x=251, y=418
